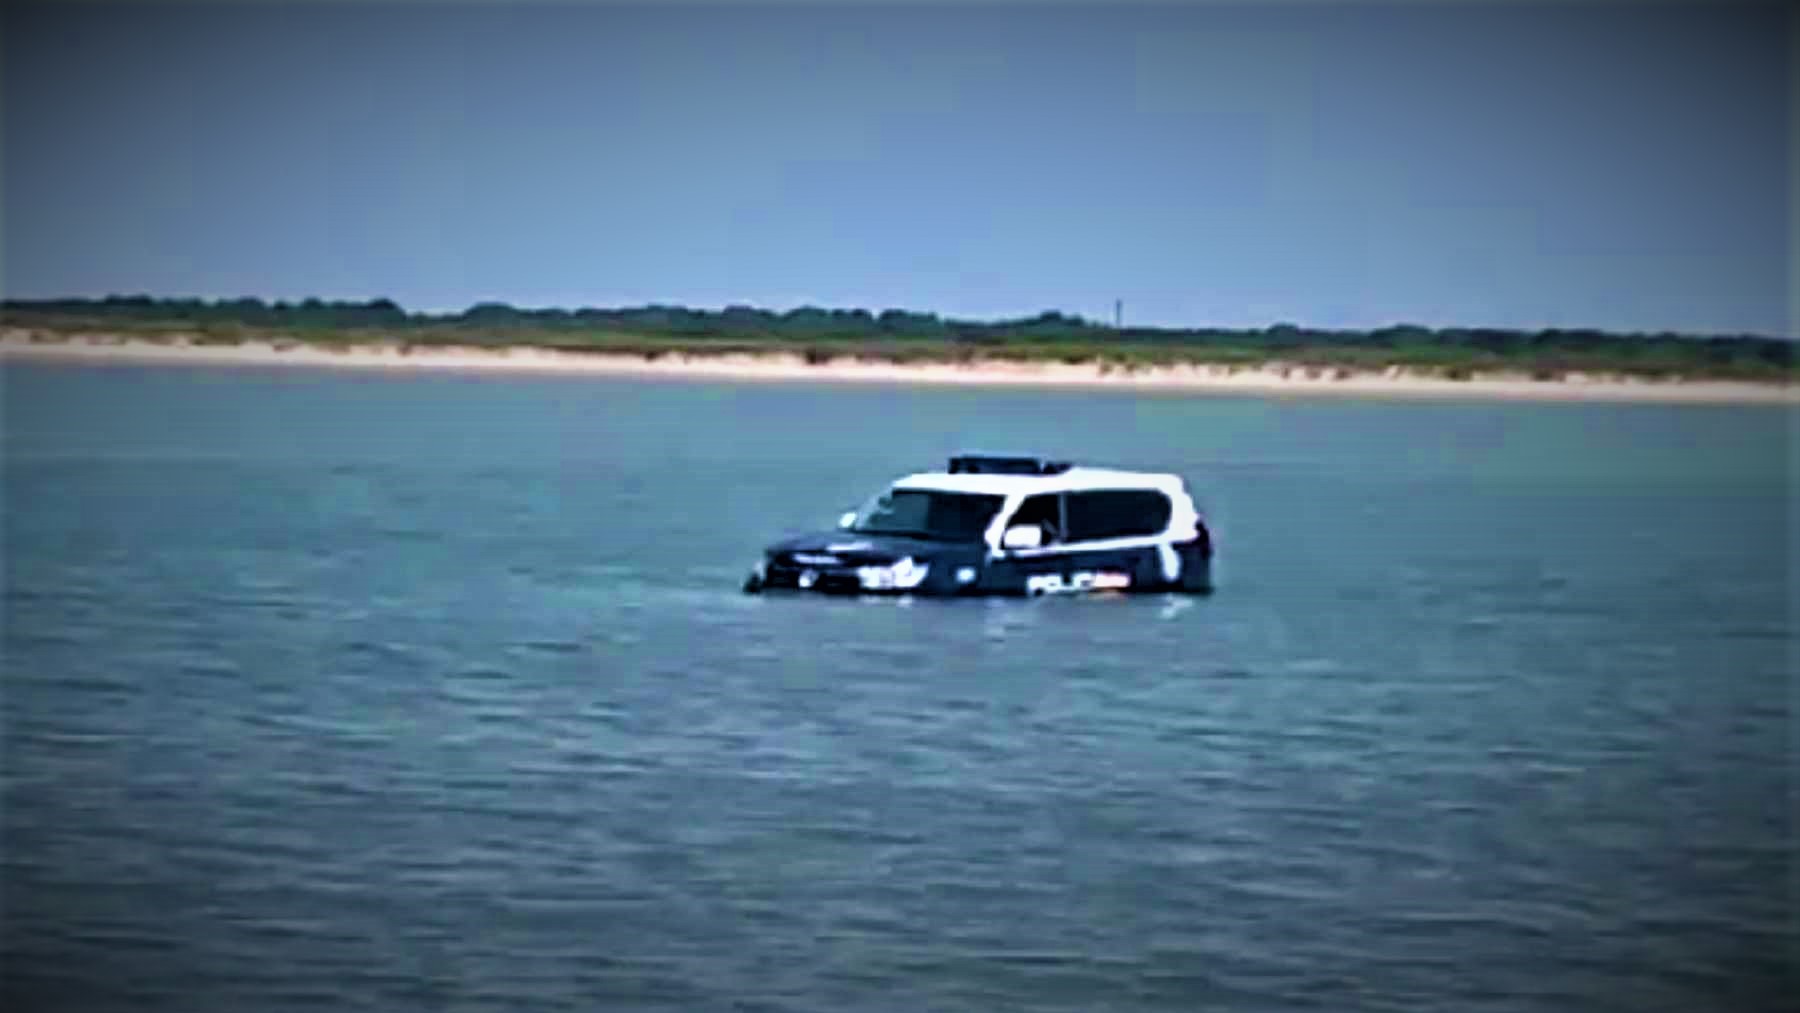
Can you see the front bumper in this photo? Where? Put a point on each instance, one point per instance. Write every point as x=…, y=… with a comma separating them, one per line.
x=901, y=577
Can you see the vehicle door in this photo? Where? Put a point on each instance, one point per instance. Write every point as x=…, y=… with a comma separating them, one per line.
x=1116, y=531
x=1046, y=567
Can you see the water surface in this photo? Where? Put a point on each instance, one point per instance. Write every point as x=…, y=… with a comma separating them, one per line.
x=361, y=691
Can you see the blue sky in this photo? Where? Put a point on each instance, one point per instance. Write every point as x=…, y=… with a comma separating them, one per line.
x=1622, y=166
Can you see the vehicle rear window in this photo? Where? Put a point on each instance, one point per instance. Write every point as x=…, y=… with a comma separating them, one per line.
x=1120, y=513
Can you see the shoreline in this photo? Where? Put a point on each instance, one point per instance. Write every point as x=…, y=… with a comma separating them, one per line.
x=1199, y=378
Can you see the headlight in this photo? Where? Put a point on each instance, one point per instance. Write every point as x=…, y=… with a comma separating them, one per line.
x=902, y=575
x=908, y=574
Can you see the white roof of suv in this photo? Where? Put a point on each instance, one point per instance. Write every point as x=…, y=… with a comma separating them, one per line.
x=1072, y=480
x=1014, y=478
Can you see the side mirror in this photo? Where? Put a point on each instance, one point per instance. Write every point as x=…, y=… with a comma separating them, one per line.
x=847, y=519
x=1026, y=536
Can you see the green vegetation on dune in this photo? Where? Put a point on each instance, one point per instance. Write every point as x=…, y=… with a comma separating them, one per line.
x=901, y=336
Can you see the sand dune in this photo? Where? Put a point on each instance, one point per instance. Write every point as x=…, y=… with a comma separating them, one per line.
x=1272, y=378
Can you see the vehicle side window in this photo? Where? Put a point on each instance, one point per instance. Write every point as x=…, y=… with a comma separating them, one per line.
x=1043, y=510
x=1122, y=513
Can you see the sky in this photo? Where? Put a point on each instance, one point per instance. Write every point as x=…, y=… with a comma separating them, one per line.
x=1620, y=166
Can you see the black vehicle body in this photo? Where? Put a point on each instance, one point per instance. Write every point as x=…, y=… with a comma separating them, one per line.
x=1097, y=531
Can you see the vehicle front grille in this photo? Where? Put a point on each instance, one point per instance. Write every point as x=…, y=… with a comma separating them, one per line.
x=827, y=579
x=816, y=560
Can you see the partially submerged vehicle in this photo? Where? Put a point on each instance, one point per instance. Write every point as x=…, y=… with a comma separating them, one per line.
x=1005, y=525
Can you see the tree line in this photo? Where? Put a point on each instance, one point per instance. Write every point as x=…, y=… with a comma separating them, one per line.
x=497, y=321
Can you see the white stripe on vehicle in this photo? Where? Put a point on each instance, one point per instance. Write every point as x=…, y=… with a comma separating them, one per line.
x=1171, y=561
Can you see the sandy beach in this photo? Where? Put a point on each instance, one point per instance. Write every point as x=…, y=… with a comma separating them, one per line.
x=1270, y=379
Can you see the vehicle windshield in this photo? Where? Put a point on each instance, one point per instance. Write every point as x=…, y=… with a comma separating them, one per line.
x=927, y=513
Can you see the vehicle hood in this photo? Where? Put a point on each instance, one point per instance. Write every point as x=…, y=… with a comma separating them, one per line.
x=865, y=550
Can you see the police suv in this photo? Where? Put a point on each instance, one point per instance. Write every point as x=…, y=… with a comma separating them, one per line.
x=990, y=525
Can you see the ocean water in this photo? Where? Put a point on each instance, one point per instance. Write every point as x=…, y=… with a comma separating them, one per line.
x=355, y=691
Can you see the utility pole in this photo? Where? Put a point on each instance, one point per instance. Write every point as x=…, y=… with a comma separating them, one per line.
x=1118, y=314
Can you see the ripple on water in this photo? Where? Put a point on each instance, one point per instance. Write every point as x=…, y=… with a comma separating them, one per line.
x=555, y=647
